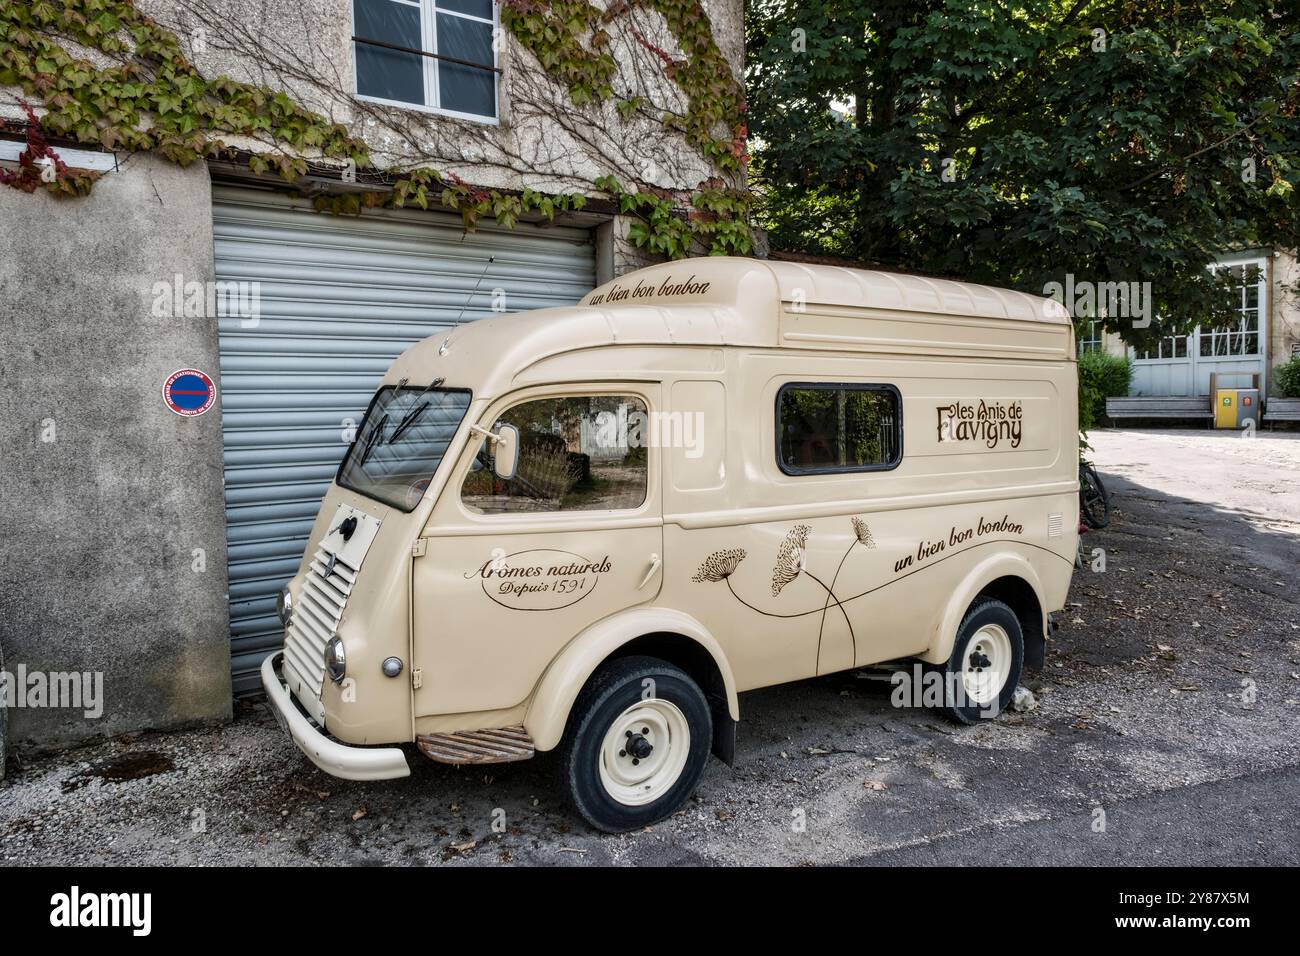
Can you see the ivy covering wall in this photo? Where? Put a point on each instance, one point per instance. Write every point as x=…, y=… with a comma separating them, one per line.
x=107, y=74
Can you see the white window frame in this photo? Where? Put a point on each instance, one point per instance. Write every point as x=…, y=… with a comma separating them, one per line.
x=1169, y=344
x=1214, y=336
x=1095, y=341
x=1194, y=338
x=429, y=10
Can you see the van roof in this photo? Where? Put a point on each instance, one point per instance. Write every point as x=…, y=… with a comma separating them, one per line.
x=724, y=301
x=721, y=280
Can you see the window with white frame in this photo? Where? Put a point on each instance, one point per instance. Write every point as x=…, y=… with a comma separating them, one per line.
x=1090, y=336
x=432, y=54
x=1168, y=347
x=1239, y=339
x=1243, y=337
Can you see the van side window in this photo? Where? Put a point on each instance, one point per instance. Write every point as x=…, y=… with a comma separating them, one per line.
x=581, y=453
x=824, y=427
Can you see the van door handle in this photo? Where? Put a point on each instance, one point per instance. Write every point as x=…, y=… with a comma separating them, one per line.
x=654, y=567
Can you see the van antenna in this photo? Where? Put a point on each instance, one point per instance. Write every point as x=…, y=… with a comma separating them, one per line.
x=491, y=259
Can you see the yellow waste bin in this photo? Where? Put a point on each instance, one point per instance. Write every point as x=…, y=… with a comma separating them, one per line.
x=1225, y=408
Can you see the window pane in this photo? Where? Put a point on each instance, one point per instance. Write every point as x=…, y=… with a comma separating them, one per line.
x=1252, y=296
x=382, y=72
x=575, y=454
x=475, y=8
x=837, y=428
x=464, y=88
x=1090, y=337
x=401, y=443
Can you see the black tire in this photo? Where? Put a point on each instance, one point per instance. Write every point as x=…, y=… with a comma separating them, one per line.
x=1094, y=499
x=984, y=612
x=612, y=690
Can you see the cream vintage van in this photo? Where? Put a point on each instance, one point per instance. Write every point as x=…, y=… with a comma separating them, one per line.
x=590, y=528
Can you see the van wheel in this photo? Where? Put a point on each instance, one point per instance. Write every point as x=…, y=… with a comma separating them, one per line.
x=633, y=752
x=980, y=677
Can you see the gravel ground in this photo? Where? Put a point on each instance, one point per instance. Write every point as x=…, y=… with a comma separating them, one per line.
x=1165, y=732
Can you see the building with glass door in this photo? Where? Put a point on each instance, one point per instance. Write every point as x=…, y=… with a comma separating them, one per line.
x=1267, y=333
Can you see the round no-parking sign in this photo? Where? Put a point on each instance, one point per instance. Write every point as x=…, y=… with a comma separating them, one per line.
x=189, y=392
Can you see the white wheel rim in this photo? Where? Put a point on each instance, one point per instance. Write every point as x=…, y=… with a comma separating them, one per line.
x=635, y=780
x=986, y=664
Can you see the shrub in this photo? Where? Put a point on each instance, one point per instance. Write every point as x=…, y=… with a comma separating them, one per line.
x=1101, y=376
x=546, y=473
x=1286, y=378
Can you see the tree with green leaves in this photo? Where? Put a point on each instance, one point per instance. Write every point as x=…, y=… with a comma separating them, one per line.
x=1018, y=142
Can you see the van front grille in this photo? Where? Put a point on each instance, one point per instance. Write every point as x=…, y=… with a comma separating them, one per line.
x=315, y=620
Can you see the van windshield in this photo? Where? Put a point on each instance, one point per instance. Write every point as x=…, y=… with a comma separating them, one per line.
x=401, y=443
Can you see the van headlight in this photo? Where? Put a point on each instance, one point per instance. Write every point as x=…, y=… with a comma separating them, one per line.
x=336, y=661
x=284, y=605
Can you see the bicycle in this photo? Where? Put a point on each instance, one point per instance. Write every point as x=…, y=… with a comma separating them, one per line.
x=1094, y=499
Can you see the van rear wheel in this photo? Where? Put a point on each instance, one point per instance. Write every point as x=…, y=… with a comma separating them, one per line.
x=980, y=677
x=636, y=744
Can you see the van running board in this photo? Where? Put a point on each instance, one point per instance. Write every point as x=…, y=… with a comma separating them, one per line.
x=504, y=745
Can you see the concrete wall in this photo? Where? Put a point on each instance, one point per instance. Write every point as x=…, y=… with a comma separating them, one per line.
x=1112, y=344
x=106, y=493
x=1284, y=309
x=4, y=712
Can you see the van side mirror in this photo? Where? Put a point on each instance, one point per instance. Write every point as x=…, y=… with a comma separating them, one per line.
x=505, y=452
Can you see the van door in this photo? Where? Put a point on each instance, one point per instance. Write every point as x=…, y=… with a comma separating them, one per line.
x=514, y=569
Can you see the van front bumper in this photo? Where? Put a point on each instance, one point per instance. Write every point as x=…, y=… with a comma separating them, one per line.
x=339, y=760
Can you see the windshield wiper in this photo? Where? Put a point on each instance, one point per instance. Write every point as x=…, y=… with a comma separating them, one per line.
x=376, y=432
x=407, y=422
x=409, y=418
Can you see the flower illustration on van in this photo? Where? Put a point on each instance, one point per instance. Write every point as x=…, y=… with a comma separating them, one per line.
x=719, y=565
x=862, y=533
x=791, y=558
x=791, y=563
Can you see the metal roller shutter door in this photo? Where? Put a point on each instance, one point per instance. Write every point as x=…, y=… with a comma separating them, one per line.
x=340, y=298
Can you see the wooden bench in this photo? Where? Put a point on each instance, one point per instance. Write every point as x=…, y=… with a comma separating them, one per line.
x=1183, y=409
x=1281, y=410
